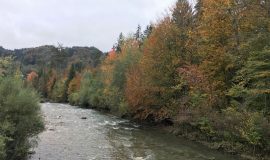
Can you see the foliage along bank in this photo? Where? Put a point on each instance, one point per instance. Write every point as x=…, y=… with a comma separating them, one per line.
x=204, y=70
x=207, y=71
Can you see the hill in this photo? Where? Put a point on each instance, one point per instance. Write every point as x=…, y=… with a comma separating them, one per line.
x=48, y=56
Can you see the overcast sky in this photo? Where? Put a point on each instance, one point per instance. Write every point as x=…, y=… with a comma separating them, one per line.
x=30, y=23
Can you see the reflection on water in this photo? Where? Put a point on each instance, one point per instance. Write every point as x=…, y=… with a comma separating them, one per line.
x=79, y=134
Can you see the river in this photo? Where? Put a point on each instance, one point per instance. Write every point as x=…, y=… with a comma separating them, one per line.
x=83, y=134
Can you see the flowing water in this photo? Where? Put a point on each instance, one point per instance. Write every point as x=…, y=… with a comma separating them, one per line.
x=81, y=134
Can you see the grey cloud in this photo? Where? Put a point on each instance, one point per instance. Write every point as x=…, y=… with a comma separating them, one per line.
x=28, y=23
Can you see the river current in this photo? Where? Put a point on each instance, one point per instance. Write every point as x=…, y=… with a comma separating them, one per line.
x=73, y=133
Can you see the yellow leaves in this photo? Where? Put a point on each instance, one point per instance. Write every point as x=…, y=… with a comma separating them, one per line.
x=135, y=91
x=216, y=20
x=5, y=63
x=149, y=89
x=18, y=74
x=107, y=68
x=160, y=45
x=129, y=44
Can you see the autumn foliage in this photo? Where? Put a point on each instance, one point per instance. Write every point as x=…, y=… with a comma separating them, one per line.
x=195, y=71
x=204, y=69
x=31, y=76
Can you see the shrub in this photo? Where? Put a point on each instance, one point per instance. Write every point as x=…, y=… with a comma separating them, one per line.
x=58, y=92
x=74, y=98
x=2, y=148
x=20, y=118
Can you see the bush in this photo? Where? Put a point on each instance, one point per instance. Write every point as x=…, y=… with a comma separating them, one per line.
x=84, y=90
x=91, y=91
x=58, y=92
x=20, y=119
x=73, y=98
x=123, y=108
x=2, y=148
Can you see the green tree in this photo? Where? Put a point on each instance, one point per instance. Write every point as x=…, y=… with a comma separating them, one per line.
x=120, y=42
x=148, y=31
x=20, y=118
x=139, y=36
x=253, y=82
x=6, y=66
x=91, y=92
x=182, y=14
x=58, y=93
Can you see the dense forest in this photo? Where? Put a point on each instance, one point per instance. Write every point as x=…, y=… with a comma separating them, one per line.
x=204, y=70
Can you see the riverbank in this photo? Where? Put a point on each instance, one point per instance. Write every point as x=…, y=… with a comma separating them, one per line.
x=215, y=144
x=105, y=136
x=192, y=133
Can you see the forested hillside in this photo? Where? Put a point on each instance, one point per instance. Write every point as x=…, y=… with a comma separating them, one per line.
x=59, y=57
x=45, y=67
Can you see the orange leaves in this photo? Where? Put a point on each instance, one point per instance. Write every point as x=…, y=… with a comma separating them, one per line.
x=149, y=84
x=31, y=76
x=74, y=84
x=112, y=54
x=32, y=79
x=161, y=50
x=193, y=76
x=135, y=91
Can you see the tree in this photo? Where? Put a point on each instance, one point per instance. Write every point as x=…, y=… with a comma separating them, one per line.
x=157, y=73
x=71, y=74
x=91, y=93
x=139, y=36
x=113, y=74
x=147, y=32
x=253, y=81
x=58, y=93
x=74, y=84
x=135, y=91
x=120, y=42
x=182, y=18
x=216, y=48
x=6, y=66
x=51, y=82
x=32, y=78
x=138, y=33
x=198, y=10
x=182, y=14
x=20, y=118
